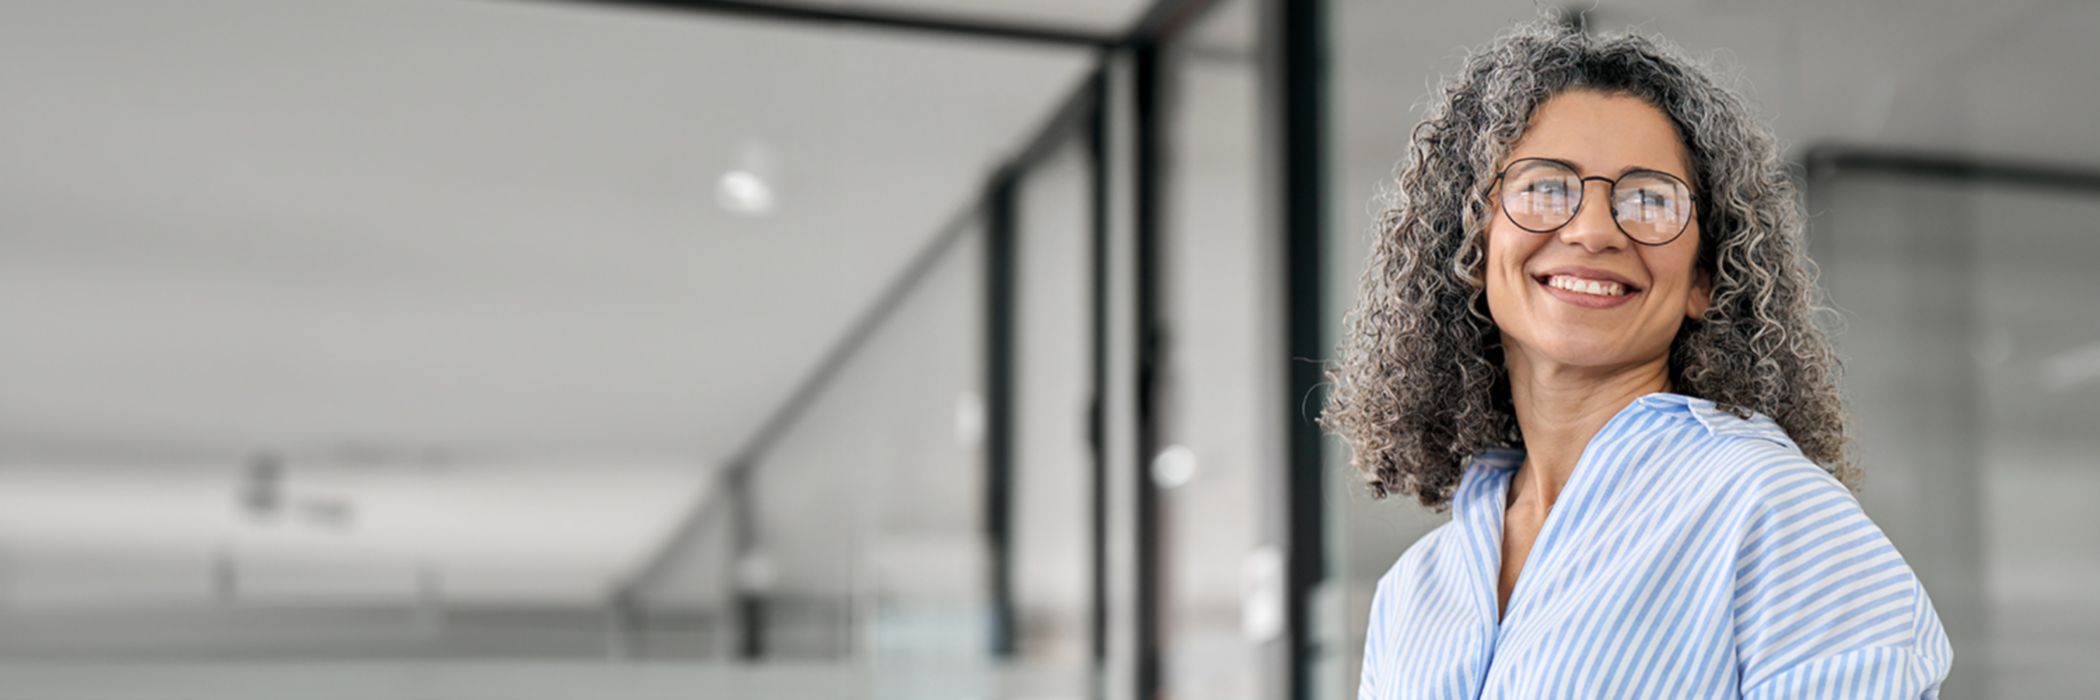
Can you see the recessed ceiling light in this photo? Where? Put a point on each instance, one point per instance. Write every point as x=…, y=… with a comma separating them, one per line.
x=751, y=186
x=744, y=193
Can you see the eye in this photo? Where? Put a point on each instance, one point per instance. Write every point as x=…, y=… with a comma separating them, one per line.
x=1648, y=202
x=1546, y=186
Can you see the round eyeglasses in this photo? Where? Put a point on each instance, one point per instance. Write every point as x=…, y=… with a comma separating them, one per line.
x=1541, y=194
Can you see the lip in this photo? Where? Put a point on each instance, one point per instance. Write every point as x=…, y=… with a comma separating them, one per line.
x=1590, y=301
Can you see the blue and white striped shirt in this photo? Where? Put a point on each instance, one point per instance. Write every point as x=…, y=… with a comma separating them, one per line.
x=1692, y=554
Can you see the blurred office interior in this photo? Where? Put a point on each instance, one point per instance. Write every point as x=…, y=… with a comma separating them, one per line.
x=896, y=348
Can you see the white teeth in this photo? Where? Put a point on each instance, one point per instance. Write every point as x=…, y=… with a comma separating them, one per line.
x=1577, y=284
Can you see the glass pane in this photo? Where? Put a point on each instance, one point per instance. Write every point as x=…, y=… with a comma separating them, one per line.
x=389, y=336
x=1973, y=367
x=1053, y=463
x=1220, y=447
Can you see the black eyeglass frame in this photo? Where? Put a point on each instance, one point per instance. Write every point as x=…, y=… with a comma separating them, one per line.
x=1609, y=198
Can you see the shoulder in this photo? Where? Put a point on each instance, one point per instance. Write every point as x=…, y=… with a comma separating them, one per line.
x=1717, y=423
x=1819, y=589
x=1434, y=578
x=1748, y=459
x=1440, y=551
x=1417, y=594
x=1419, y=557
x=1430, y=575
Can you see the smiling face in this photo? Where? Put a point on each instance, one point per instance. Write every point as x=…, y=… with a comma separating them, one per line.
x=1543, y=289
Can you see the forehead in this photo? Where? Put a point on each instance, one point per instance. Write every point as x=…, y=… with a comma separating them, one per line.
x=1603, y=135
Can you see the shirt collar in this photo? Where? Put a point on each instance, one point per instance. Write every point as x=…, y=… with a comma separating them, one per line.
x=1717, y=422
x=1477, y=505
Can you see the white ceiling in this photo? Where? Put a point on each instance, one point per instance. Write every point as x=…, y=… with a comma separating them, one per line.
x=486, y=230
x=472, y=225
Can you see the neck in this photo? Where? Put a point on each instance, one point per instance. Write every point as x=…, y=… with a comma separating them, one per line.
x=1559, y=408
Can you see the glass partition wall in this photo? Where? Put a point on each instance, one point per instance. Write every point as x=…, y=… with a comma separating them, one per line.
x=1218, y=449
x=455, y=373
x=1972, y=365
x=923, y=522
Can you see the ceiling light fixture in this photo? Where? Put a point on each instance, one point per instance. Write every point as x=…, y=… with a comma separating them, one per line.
x=749, y=189
x=744, y=193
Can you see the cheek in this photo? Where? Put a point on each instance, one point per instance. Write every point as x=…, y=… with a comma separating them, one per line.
x=1491, y=276
x=1506, y=254
x=1674, y=268
x=1504, y=277
x=1496, y=244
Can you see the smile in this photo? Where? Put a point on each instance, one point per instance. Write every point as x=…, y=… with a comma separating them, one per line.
x=1587, y=293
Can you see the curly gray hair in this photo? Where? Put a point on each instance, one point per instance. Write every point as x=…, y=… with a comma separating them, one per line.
x=1420, y=386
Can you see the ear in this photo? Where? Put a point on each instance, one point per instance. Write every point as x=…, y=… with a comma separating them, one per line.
x=1701, y=296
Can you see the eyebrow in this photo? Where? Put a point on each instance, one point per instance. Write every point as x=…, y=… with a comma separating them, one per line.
x=1579, y=169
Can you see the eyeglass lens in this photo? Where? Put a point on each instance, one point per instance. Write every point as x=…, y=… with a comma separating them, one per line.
x=1542, y=195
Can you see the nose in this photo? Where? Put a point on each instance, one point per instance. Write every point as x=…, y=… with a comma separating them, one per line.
x=1593, y=227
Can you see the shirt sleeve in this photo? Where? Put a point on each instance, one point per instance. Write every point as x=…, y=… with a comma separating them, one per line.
x=1824, y=605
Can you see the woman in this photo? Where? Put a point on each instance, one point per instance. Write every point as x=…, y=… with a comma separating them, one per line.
x=1586, y=329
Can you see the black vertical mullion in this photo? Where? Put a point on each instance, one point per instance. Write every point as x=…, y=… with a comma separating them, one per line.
x=1147, y=58
x=1300, y=86
x=999, y=328
x=750, y=604
x=1097, y=428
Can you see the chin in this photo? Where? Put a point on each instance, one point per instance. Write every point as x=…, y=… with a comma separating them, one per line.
x=1581, y=350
